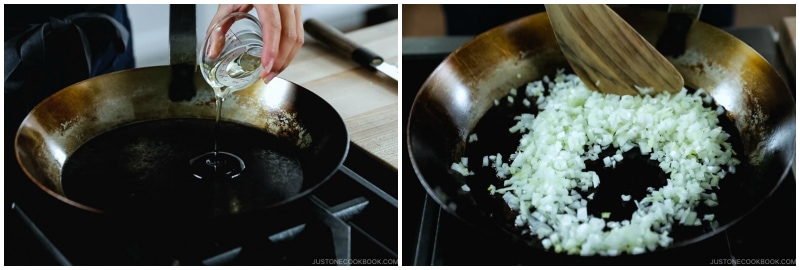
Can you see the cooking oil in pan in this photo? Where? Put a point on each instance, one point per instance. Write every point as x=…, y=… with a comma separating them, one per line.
x=143, y=167
x=216, y=164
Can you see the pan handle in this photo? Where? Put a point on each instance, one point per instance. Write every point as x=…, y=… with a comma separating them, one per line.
x=182, y=36
x=693, y=10
x=336, y=39
x=681, y=18
x=182, y=51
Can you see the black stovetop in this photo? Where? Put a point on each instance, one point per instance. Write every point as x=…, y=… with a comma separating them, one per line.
x=432, y=236
x=350, y=219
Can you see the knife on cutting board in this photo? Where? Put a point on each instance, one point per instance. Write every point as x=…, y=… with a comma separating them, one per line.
x=360, y=54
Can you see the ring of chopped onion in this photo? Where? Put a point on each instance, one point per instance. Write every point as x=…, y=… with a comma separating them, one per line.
x=543, y=176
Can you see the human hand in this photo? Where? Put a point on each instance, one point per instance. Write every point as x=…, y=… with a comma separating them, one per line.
x=282, y=33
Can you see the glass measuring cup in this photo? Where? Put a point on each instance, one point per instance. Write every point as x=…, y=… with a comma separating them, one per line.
x=231, y=60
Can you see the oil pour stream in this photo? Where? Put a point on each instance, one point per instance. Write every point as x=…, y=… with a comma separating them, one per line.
x=228, y=68
x=217, y=164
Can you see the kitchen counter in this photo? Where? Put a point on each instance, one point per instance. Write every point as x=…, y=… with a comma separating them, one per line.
x=366, y=100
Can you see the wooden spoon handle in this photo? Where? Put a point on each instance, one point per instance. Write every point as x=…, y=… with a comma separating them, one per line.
x=607, y=53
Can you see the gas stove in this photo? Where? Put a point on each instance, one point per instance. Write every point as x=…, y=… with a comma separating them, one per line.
x=349, y=220
x=432, y=236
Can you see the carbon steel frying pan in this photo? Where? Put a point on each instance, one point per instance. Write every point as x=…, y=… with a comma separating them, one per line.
x=462, y=89
x=299, y=119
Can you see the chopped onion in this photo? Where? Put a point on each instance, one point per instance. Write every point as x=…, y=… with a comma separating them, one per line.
x=473, y=138
x=542, y=178
x=644, y=90
x=458, y=167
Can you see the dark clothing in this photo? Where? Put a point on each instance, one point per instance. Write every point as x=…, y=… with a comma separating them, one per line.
x=472, y=20
x=20, y=17
x=49, y=47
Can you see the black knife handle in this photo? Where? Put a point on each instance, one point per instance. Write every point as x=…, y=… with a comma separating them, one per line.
x=336, y=39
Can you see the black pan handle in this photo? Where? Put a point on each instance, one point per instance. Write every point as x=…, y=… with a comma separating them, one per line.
x=336, y=39
x=182, y=51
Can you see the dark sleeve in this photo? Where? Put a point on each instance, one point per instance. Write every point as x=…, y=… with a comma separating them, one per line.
x=475, y=19
x=44, y=57
x=718, y=15
x=472, y=20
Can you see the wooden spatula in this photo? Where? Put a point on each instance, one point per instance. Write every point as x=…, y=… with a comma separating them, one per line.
x=608, y=54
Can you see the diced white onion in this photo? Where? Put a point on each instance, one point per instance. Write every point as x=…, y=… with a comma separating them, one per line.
x=542, y=177
x=473, y=138
x=458, y=167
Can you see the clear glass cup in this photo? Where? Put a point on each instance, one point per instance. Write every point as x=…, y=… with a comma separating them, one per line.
x=234, y=62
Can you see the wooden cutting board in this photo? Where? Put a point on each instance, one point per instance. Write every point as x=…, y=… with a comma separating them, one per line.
x=366, y=100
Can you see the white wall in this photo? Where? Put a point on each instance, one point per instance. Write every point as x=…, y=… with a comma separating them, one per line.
x=150, y=26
